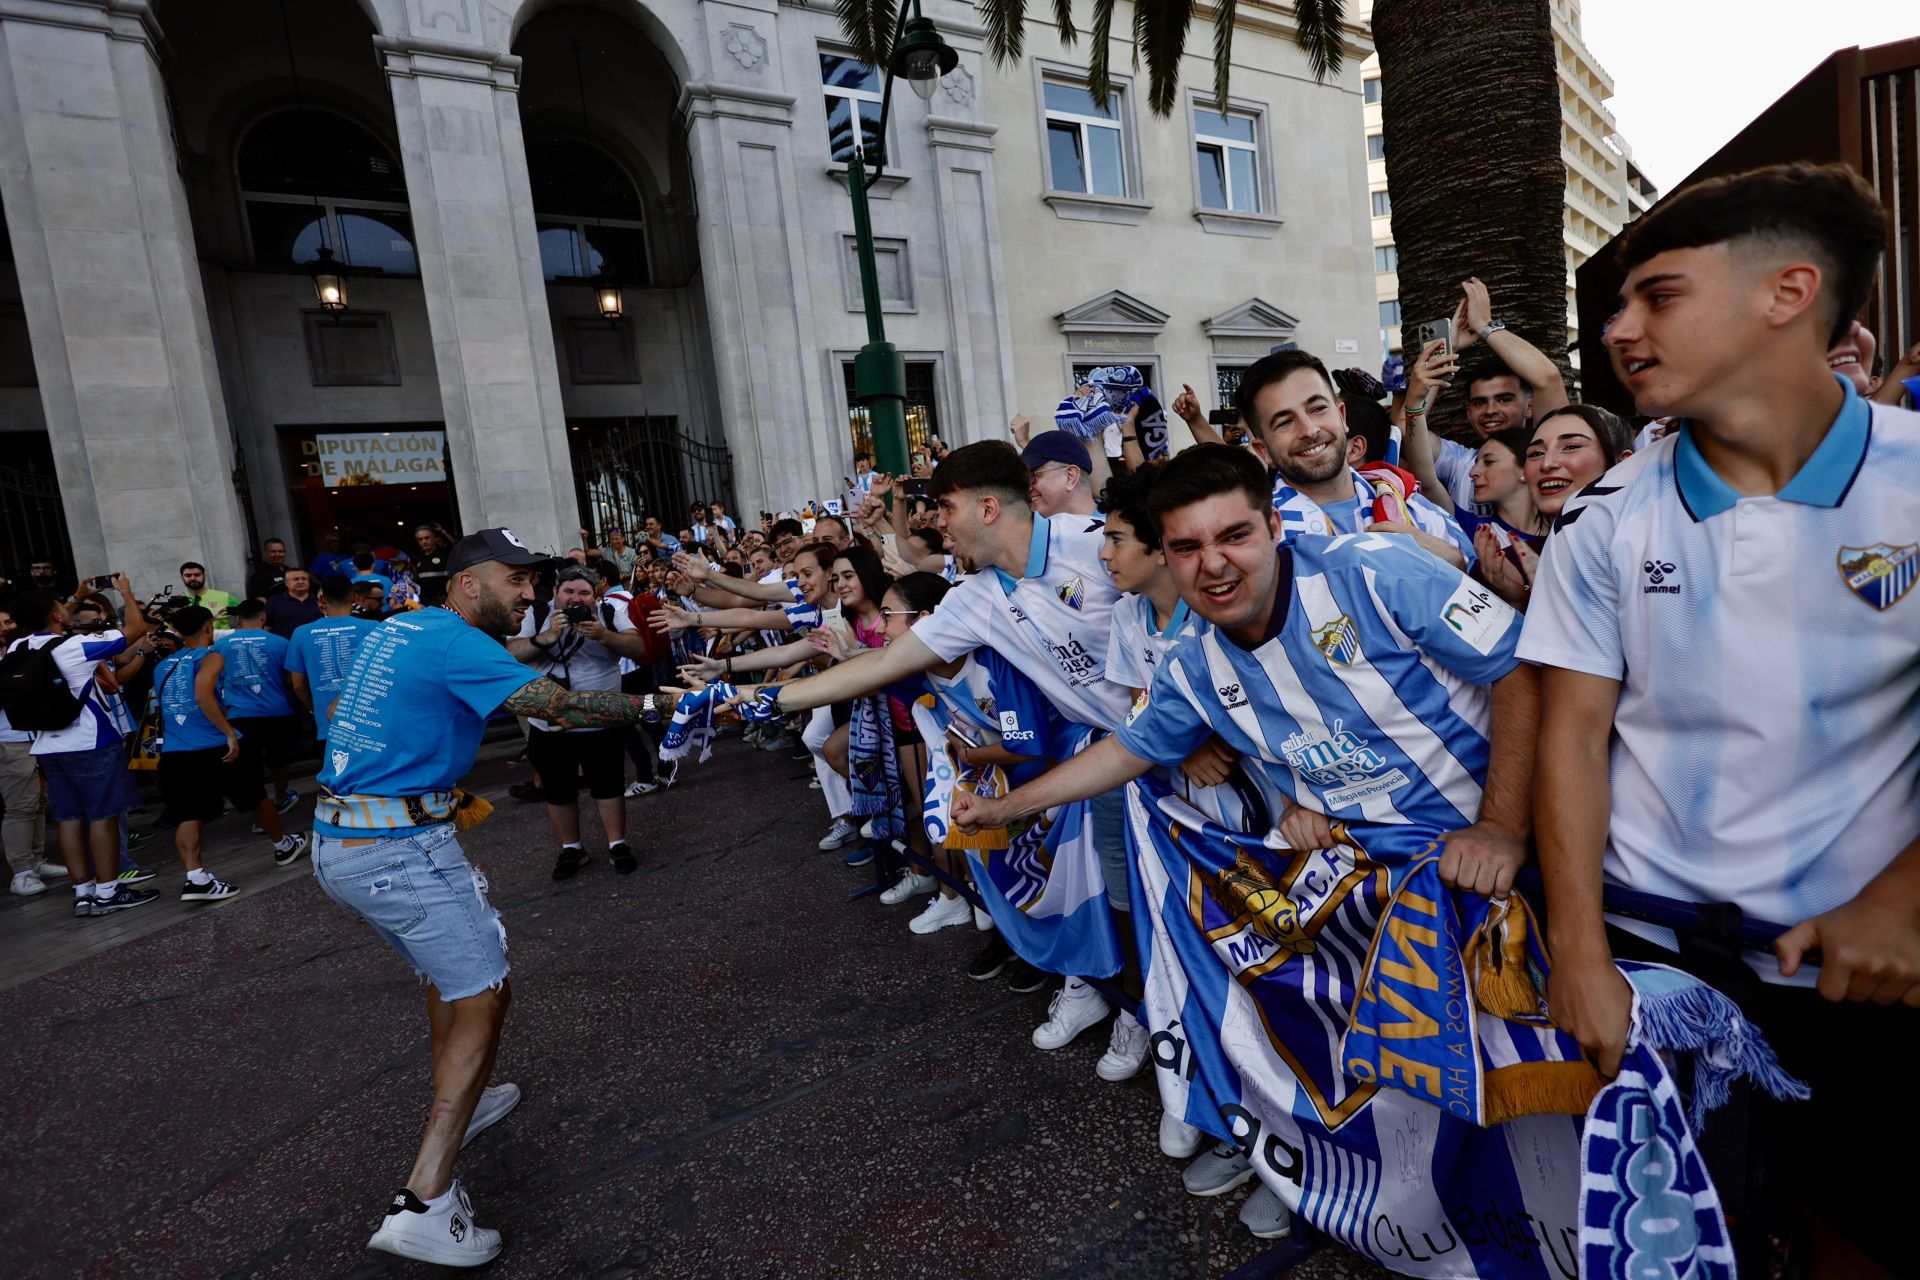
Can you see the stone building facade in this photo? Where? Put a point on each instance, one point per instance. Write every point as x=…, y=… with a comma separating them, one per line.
x=169, y=169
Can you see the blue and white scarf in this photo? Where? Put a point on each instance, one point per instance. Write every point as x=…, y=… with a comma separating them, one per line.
x=1647, y=1207
x=692, y=724
x=873, y=767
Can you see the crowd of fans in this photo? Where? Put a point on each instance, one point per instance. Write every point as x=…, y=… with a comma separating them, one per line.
x=1041, y=587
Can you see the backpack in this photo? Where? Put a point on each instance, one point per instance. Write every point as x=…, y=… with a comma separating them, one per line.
x=33, y=690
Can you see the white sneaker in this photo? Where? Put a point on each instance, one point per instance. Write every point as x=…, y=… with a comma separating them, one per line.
x=982, y=921
x=26, y=884
x=1126, y=1050
x=495, y=1102
x=941, y=913
x=1075, y=1007
x=1264, y=1216
x=841, y=834
x=907, y=886
x=50, y=871
x=447, y=1235
x=1178, y=1138
x=637, y=788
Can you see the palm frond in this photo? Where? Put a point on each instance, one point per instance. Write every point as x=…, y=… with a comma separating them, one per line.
x=868, y=28
x=1222, y=49
x=1006, y=22
x=1318, y=33
x=1099, y=83
x=1063, y=19
x=1160, y=38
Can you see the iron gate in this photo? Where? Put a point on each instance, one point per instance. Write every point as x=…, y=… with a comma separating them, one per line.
x=33, y=523
x=626, y=469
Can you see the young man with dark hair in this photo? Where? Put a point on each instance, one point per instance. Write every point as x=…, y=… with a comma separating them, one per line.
x=84, y=762
x=193, y=584
x=271, y=577
x=250, y=664
x=1289, y=400
x=321, y=653
x=205, y=762
x=1730, y=644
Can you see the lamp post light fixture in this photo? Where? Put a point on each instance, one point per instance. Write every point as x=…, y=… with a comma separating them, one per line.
x=920, y=57
x=329, y=282
x=612, y=305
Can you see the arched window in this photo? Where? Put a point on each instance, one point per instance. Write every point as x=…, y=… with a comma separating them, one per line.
x=312, y=179
x=588, y=212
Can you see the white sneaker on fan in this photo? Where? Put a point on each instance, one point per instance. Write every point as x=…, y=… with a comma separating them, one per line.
x=446, y=1234
x=910, y=884
x=941, y=913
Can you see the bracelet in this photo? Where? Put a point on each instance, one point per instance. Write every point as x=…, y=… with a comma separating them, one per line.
x=1421, y=412
x=1129, y=439
x=544, y=648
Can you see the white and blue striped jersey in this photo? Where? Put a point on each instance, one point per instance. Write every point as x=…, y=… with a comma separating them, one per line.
x=1137, y=645
x=1367, y=701
x=1766, y=747
x=1300, y=514
x=1053, y=622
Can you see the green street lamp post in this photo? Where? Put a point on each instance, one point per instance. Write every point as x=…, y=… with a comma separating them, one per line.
x=920, y=57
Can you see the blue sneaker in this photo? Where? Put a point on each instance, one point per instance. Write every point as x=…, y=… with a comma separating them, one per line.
x=287, y=801
x=135, y=875
x=123, y=899
x=859, y=856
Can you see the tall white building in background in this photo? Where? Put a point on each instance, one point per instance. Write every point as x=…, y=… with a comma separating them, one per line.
x=173, y=387
x=1605, y=189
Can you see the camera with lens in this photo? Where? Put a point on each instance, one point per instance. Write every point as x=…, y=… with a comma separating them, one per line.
x=162, y=606
x=577, y=613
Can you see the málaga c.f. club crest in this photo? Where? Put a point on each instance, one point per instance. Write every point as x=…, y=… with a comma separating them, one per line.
x=1338, y=641
x=1073, y=593
x=1880, y=574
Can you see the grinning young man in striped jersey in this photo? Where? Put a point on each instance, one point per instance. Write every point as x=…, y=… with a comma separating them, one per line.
x=1360, y=679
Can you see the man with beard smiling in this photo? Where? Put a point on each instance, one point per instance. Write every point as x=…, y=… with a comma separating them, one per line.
x=404, y=731
x=1289, y=400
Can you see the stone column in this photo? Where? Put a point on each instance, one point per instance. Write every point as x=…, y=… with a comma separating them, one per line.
x=457, y=112
x=110, y=283
x=962, y=151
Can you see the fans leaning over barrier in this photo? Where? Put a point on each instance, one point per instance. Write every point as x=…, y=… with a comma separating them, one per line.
x=321, y=653
x=250, y=663
x=206, y=762
x=49, y=685
x=1730, y=643
x=387, y=848
x=578, y=641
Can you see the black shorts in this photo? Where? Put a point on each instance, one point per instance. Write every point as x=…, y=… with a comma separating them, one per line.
x=272, y=738
x=1848, y=1123
x=193, y=784
x=563, y=759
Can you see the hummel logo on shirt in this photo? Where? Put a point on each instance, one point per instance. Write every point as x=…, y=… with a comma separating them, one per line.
x=1658, y=571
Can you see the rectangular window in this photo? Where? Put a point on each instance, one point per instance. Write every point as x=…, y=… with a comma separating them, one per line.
x=1085, y=151
x=852, y=91
x=1382, y=206
x=1386, y=257
x=923, y=420
x=1372, y=86
x=1390, y=313
x=1376, y=146
x=1227, y=152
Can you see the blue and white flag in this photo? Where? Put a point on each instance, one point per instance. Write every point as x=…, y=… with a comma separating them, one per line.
x=692, y=724
x=1047, y=895
x=1253, y=955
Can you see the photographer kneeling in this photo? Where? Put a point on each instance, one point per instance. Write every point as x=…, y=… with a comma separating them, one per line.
x=577, y=641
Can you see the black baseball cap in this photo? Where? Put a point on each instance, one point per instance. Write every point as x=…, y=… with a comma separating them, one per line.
x=492, y=544
x=1056, y=446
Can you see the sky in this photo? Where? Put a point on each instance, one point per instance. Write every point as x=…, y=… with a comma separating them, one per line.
x=1689, y=74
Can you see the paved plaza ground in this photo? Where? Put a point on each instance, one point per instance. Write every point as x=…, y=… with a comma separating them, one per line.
x=728, y=1072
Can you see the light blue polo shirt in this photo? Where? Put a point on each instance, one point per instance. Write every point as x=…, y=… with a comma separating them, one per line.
x=1766, y=746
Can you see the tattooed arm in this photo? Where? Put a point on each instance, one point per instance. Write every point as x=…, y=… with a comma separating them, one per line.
x=576, y=709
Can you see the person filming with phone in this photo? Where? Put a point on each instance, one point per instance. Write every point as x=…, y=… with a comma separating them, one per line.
x=577, y=641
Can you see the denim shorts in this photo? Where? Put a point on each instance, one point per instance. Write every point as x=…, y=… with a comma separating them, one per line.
x=1110, y=841
x=89, y=785
x=421, y=895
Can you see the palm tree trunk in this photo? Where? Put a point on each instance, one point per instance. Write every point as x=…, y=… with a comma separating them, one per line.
x=1471, y=112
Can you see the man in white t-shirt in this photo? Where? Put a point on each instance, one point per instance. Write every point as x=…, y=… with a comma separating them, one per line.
x=84, y=761
x=578, y=641
x=1730, y=642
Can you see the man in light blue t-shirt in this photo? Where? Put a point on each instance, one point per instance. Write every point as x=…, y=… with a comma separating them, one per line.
x=321, y=653
x=404, y=730
x=251, y=665
x=206, y=760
